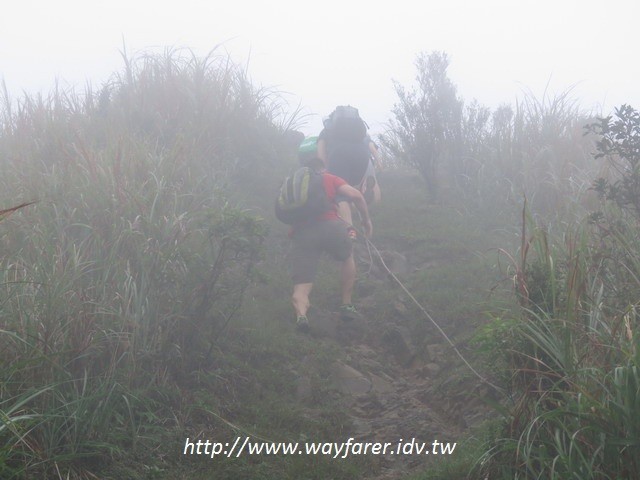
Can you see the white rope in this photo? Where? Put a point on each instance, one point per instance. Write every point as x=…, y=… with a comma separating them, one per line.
x=484, y=380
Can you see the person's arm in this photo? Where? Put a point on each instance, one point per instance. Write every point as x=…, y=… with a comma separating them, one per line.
x=354, y=195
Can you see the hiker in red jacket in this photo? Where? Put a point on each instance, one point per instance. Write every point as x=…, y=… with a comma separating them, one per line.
x=326, y=233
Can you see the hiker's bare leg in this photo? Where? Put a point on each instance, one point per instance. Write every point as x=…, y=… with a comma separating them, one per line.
x=300, y=297
x=348, y=279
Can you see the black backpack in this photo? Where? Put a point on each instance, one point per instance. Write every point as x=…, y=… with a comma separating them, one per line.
x=345, y=125
x=302, y=197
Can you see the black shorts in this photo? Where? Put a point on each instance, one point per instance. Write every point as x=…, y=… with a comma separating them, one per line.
x=311, y=241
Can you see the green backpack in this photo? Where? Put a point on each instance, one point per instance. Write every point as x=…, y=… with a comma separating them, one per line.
x=302, y=197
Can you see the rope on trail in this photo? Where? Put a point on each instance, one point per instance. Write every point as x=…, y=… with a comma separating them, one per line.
x=484, y=380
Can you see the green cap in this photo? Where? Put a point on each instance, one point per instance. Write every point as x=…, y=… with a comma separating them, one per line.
x=309, y=146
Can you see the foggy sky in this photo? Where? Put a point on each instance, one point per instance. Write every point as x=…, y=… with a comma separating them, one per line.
x=338, y=52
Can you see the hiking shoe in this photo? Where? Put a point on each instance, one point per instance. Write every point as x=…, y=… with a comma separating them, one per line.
x=302, y=323
x=349, y=312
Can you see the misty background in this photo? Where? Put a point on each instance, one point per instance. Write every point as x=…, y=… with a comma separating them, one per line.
x=333, y=52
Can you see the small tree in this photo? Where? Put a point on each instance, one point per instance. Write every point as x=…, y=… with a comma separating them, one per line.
x=620, y=143
x=427, y=119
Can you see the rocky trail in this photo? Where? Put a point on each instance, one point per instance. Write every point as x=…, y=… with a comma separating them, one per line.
x=391, y=390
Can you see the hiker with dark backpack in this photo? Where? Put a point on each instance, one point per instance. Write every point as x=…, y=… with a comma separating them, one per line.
x=307, y=203
x=348, y=152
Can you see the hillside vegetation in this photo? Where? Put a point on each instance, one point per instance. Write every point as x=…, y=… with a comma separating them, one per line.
x=145, y=292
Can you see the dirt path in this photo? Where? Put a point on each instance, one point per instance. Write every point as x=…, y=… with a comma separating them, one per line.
x=390, y=393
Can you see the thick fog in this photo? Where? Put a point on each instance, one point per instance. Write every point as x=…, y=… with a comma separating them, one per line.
x=335, y=52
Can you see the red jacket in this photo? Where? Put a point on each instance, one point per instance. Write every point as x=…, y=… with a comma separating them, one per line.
x=331, y=185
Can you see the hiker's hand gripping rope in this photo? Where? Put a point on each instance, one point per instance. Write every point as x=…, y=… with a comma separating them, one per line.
x=354, y=196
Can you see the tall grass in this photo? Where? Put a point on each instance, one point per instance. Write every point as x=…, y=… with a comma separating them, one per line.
x=570, y=352
x=492, y=159
x=488, y=158
x=574, y=358
x=537, y=150
x=120, y=280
